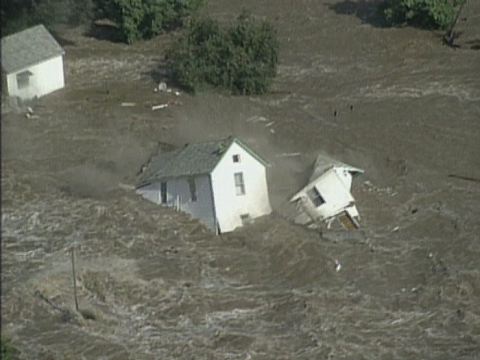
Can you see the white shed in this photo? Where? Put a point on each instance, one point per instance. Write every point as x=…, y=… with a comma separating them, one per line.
x=32, y=63
x=327, y=195
x=222, y=183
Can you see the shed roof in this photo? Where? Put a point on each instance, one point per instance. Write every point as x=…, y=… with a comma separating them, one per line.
x=27, y=48
x=192, y=159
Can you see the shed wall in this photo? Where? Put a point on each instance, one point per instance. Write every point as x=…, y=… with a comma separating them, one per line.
x=333, y=189
x=46, y=77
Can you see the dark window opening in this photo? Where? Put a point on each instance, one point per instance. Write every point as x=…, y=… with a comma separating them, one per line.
x=236, y=158
x=193, y=189
x=163, y=192
x=245, y=219
x=315, y=197
x=23, y=79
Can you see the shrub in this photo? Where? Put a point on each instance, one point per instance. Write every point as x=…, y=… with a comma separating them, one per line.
x=436, y=14
x=241, y=58
x=143, y=19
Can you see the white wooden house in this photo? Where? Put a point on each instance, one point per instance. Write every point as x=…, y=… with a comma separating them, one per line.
x=327, y=195
x=32, y=63
x=222, y=183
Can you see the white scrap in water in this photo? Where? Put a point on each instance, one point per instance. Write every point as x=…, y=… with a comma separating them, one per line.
x=289, y=154
x=257, y=119
x=161, y=106
x=338, y=266
x=162, y=86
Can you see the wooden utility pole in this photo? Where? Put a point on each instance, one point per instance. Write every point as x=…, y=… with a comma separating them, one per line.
x=74, y=277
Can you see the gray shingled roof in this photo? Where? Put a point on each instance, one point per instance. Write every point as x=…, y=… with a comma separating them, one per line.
x=27, y=48
x=192, y=159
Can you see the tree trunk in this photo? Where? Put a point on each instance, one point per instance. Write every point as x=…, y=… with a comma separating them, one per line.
x=450, y=35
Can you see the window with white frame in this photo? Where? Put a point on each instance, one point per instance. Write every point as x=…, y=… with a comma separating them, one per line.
x=239, y=184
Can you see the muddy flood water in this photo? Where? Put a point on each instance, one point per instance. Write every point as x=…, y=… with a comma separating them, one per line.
x=155, y=284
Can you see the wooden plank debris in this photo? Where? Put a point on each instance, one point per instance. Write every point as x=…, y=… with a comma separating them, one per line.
x=157, y=107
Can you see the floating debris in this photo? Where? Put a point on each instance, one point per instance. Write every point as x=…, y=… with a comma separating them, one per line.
x=29, y=115
x=289, y=154
x=157, y=107
x=338, y=266
x=162, y=86
x=257, y=118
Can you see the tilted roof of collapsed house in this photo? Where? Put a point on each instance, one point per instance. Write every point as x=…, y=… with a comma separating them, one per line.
x=192, y=159
x=28, y=47
x=323, y=163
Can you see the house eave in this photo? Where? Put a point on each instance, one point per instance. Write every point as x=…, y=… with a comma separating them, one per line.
x=152, y=180
x=16, y=70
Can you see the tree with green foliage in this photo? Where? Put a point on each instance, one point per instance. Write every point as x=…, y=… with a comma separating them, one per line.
x=431, y=14
x=136, y=19
x=18, y=15
x=143, y=19
x=242, y=58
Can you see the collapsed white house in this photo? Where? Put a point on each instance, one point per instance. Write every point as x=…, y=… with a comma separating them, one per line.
x=327, y=195
x=222, y=183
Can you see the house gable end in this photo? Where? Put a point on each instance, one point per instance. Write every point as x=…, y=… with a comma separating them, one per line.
x=247, y=150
